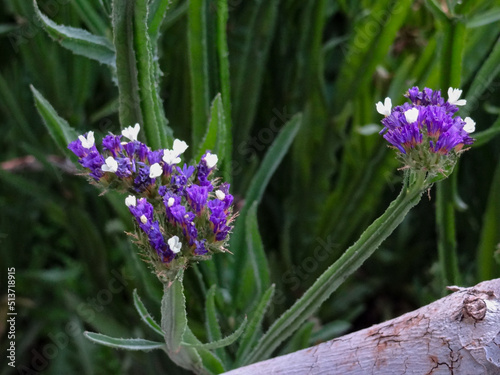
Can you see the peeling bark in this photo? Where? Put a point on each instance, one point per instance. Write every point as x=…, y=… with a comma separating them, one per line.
x=458, y=334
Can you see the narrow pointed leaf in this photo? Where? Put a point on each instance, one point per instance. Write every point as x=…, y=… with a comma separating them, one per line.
x=253, y=331
x=147, y=82
x=145, y=315
x=208, y=360
x=211, y=322
x=79, y=41
x=198, y=66
x=127, y=344
x=216, y=122
x=224, y=141
x=58, y=128
x=228, y=340
x=122, y=19
x=272, y=159
x=256, y=254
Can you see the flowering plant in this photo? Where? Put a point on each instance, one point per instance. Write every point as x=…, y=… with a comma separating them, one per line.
x=181, y=214
x=425, y=132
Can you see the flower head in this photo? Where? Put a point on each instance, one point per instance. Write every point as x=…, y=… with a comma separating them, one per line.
x=177, y=215
x=426, y=132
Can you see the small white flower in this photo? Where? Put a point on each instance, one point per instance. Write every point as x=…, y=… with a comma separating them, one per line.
x=131, y=132
x=385, y=108
x=220, y=195
x=211, y=160
x=89, y=141
x=411, y=115
x=454, y=95
x=144, y=219
x=170, y=157
x=155, y=171
x=111, y=165
x=174, y=244
x=179, y=147
x=131, y=201
x=470, y=125
x=170, y=202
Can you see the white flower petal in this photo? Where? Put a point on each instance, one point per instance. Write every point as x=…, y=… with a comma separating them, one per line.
x=131, y=200
x=111, y=165
x=179, y=147
x=170, y=202
x=131, y=132
x=155, y=171
x=454, y=97
x=411, y=115
x=87, y=142
x=174, y=244
x=385, y=108
x=220, y=195
x=170, y=157
x=144, y=219
x=211, y=160
x=470, y=125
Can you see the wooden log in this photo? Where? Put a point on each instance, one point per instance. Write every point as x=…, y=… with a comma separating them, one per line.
x=458, y=334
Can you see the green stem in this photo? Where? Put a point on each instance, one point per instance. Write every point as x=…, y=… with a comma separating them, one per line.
x=415, y=184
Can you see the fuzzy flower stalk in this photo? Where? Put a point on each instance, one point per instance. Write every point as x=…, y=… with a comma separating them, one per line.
x=425, y=131
x=429, y=139
x=180, y=214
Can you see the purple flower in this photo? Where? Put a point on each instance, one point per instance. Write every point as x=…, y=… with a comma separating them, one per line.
x=200, y=248
x=112, y=143
x=427, y=123
x=197, y=197
x=180, y=180
x=205, y=167
x=143, y=181
x=143, y=213
x=219, y=219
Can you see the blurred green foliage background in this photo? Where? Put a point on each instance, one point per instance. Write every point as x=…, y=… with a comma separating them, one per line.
x=329, y=60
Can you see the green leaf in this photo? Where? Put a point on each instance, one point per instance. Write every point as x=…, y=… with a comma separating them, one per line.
x=156, y=15
x=198, y=67
x=256, y=254
x=128, y=344
x=145, y=315
x=225, y=138
x=209, y=360
x=122, y=18
x=488, y=71
x=272, y=159
x=249, y=65
x=78, y=41
x=228, y=340
x=213, y=133
x=58, y=128
x=254, y=327
x=211, y=322
x=485, y=18
x=490, y=235
x=151, y=106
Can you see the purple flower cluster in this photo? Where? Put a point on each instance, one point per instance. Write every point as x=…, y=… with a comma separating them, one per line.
x=425, y=129
x=188, y=215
